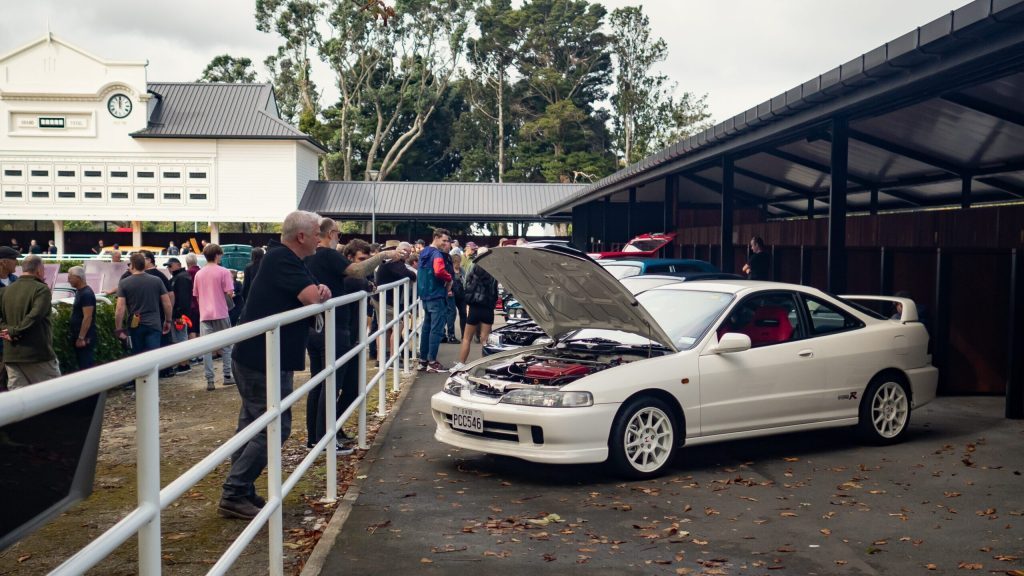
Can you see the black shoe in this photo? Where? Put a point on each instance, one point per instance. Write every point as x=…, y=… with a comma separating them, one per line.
x=257, y=500
x=167, y=373
x=243, y=509
x=453, y=340
x=183, y=369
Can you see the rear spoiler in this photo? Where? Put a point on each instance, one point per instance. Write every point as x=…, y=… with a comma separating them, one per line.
x=909, y=308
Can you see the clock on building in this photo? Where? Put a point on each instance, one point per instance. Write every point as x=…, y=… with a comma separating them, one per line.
x=119, y=106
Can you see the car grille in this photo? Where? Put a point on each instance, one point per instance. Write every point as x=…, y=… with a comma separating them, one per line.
x=492, y=430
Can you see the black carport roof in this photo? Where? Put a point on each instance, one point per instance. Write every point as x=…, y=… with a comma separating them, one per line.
x=934, y=111
x=435, y=201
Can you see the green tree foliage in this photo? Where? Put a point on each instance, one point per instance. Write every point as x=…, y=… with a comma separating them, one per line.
x=647, y=114
x=227, y=68
x=296, y=22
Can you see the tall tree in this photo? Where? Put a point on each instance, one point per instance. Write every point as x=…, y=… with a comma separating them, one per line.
x=492, y=56
x=647, y=114
x=564, y=68
x=227, y=68
x=297, y=23
x=392, y=74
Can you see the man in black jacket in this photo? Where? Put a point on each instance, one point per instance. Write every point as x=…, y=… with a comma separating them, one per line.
x=181, y=287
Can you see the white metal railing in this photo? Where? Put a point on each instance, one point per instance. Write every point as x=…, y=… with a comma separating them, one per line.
x=144, y=520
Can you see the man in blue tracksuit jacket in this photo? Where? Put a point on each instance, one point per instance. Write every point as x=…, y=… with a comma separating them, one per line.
x=433, y=283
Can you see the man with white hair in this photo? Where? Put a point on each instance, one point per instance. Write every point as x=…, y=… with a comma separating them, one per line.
x=82, y=327
x=25, y=327
x=289, y=286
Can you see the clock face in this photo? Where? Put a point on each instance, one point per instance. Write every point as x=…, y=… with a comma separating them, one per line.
x=119, y=106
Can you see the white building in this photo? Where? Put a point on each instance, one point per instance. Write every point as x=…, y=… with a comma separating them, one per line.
x=83, y=138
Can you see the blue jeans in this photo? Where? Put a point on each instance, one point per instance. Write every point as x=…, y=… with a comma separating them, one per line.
x=144, y=339
x=435, y=313
x=449, y=318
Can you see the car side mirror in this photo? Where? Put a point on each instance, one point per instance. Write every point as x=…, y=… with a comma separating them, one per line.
x=732, y=342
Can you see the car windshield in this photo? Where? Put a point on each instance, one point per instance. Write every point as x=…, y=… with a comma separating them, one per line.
x=620, y=271
x=685, y=315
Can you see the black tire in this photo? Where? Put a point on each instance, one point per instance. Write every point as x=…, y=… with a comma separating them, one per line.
x=653, y=437
x=884, y=411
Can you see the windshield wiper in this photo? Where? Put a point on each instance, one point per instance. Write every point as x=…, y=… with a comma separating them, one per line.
x=595, y=340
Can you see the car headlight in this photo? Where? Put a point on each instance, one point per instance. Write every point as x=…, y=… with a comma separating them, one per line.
x=548, y=398
x=543, y=341
x=494, y=339
x=453, y=386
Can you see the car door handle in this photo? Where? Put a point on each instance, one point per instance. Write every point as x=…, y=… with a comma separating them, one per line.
x=806, y=353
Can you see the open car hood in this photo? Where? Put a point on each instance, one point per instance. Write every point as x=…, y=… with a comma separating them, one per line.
x=564, y=290
x=653, y=244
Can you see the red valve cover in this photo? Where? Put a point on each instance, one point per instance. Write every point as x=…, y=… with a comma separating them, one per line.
x=551, y=369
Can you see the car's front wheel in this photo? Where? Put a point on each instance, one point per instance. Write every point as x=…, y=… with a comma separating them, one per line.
x=885, y=411
x=643, y=439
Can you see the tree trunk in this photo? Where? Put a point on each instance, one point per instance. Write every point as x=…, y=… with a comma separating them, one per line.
x=501, y=126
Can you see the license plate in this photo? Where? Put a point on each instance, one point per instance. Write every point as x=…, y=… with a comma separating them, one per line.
x=468, y=420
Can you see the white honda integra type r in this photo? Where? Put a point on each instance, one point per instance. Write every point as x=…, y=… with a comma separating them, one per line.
x=629, y=378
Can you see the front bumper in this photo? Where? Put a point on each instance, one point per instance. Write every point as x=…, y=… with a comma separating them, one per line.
x=568, y=435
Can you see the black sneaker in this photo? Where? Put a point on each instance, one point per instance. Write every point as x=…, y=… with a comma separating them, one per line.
x=423, y=365
x=229, y=380
x=343, y=449
x=243, y=509
x=167, y=373
x=183, y=369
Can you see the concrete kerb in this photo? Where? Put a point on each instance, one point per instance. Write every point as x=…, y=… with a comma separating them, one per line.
x=315, y=563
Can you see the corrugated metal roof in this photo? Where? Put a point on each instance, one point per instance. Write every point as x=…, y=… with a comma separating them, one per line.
x=971, y=40
x=463, y=201
x=216, y=110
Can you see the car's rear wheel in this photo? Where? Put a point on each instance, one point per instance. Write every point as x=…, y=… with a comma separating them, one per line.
x=884, y=411
x=643, y=439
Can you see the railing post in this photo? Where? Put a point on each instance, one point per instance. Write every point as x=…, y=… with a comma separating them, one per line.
x=276, y=527
x=362, y=372
x=382, y=344
x=331, y=398
x=407, y=318
x=395, y=354
x=147, y=415
x=416, y=315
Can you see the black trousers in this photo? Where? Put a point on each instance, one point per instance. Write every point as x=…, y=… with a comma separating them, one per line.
x=316, y=402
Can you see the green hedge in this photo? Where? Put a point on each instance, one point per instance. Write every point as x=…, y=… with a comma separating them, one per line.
x=65, y=265
x=108, y=348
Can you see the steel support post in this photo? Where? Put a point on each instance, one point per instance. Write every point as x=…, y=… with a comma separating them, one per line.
x=147, y=434
x=362, y=371
x=885, y=286
x=965, y=191
x=382, y=345
x=837, y=206
x=397, y=357
x=940, y=327
x=275, y=529
x=805, y=265
x=331, y=398
x=728, y=257
x=1015, y=341
x=407, y=327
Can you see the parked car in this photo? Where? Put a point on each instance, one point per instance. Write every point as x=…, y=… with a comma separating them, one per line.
x=629, y=379
x=627, y=268
x=643, y=246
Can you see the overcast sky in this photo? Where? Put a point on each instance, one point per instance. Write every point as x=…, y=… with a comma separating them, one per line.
x=739, y=52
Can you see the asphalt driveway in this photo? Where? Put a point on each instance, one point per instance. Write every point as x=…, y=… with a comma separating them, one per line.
x=948, y=500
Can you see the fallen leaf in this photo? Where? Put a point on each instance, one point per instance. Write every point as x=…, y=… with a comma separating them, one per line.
x=23, y=557
x=970, y=566
x=710, y=511
x=1005, y=558
x=791, y=459
x=931, y=566
x=951, y=494
x=426, y=561
x=683, y=571
x=549, y=557
x=825, y=531
x=788, y=514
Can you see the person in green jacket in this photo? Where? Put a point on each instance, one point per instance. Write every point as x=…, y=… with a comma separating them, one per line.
x=25, y=327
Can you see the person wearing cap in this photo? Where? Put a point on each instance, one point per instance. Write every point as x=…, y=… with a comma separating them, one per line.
x=8, y=262
x=181, y=309
x=25, y=327
x=82, y=325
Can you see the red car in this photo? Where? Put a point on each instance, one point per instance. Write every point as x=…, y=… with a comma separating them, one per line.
x=643, y=246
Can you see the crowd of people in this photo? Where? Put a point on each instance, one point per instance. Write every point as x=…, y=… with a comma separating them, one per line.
x=307, y=266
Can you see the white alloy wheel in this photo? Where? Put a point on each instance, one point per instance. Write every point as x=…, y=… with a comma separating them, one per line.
x=643, y=438
x=889, y=410
x=885, y=411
